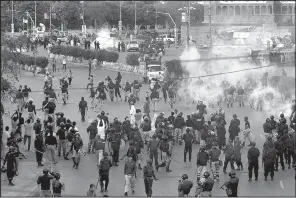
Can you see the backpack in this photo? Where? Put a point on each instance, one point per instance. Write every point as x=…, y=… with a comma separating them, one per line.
x=105, y=165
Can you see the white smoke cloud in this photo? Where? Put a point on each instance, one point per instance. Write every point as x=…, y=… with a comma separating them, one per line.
x=103, y=36
x=211, y=89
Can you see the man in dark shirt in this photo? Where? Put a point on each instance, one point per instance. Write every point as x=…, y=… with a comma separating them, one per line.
x=44, y=181
x=44, y=104
x=104, y=168
x=92, y=130
x=105, y=118
x=253, y=158
x=39, y=147
x=37, y=126
x=26, y=91
x=31, y=109
x=50, y=106
x=129, y=172
x=51, y=144
x=201, y=108
x=83, y=108
x=188, y=140
x=61, y=134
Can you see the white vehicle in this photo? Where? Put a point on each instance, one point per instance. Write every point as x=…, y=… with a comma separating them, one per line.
x=132, y=45
x=166, y=37
x=155, y=71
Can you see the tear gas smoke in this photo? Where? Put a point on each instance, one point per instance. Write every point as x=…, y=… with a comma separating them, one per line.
x=211, y=90
x=103, y=36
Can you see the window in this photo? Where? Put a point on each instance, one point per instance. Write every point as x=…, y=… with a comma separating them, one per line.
x=231, y=11
x=251, y=10
x=237, y=11
x=224, y=11
x=244, y=10
x=218, y=10
x=284, y=10
x=270, y=9
x=277, y=9
x=257, y=9
x=290, y=10
x=263, y=10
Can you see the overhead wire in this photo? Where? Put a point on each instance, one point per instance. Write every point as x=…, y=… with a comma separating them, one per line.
x=192, y=77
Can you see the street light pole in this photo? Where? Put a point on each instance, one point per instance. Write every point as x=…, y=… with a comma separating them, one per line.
x=188, y=21
x=156, y=15
x=135, y=16
x=120, y=19
x=50, y=19
x=12, y=24
x=35, y=29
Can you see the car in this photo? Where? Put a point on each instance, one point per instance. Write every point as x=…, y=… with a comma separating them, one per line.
x=132, y=46
x=158, y=47
x=155, y=71
x=169, y=38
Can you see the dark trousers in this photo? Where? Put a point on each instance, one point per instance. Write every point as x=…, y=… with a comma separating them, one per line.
x=279, y=156
x=82, y=116
x=117, y=93
x=89, y=84
x=227, y=160
x=115, y=155
x=54, y=68
x=187, y=149
x=288, y=155
x=269, y=168
x=70, y=81
x=64, y=66
x=29, y=141
x=39, y=156
x=106, y=179
x=253, y=166
x=234, y=194
x=155, y=156
x=148, y=186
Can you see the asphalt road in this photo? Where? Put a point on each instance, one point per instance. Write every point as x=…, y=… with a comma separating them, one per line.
x=77, y=181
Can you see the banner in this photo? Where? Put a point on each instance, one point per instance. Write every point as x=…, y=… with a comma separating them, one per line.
x=46, y=16
x=25, y=20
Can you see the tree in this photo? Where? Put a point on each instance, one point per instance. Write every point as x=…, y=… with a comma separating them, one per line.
x=174, y=68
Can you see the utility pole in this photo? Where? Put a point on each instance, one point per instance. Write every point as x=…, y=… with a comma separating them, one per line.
x=12, y=24
x=120, y=19
x=50, y=19
x=135, y=17
x=210, y=36
x=35, y=29
x=188, y=21
x=156, y=15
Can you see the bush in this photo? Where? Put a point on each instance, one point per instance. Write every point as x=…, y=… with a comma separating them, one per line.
x=77, y=52
x=133, y=59
x=22, y=59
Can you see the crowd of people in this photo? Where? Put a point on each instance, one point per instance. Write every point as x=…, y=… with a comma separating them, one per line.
x=159, y=136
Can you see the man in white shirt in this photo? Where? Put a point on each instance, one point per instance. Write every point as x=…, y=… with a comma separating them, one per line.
x=64, y=63
x=5, y=136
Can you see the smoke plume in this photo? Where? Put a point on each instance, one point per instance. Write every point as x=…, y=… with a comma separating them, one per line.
x=103, y=36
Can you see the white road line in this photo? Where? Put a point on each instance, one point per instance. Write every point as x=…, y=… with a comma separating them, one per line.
x=30, y=191
x=282, y=184
x=262, y=136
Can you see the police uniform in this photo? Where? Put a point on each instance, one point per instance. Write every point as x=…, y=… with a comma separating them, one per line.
x=202, y=160
x=205, y=186
x=165, y=153
x=214, y=155
x=115, y=145
x=148, y=174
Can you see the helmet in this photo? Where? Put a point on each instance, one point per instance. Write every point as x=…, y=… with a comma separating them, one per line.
x=246, y=118
x=232, y=173
x=278, y=137
x=207, y=174
x=184, y=176
x=187, y=130
x=272, y=117
x=57, y=176
x=165, y=138
x=62, y=124
x=45, y=171
x=154, y=136
x=234, y=116
x=253, y=143
x=149, y=161
x=146, y=118
x=282, y=115
x=11, y=148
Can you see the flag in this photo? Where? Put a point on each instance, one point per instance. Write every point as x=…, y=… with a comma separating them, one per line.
x=46, y=16
x=25, y=20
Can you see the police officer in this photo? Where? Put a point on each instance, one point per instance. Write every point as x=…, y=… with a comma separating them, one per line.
x=57, y=186
x=115, y=145
x=188, y=140
x=269, y=156
x=146, y=128
x=273, y=123
x=267, y=127
x=253, y=160
x=232, y=184
x=152, y=148
x=11, y=167
x=240, y=96
x=289, y=148
x=202, y=160
x=282, y=126
x=184, y=186
x=234, y=127
x=148, y=174
x=279, y=147
x=214, y=156
x=165, y=153
x=229, y=153
x=205, y=186
x=44, y=181
x=104, y=168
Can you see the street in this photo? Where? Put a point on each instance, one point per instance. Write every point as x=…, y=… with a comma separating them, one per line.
x=77, y=181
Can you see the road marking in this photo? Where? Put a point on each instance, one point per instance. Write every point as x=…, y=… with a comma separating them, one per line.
x=282, y=184
x=262, y=136
x=30, y=191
